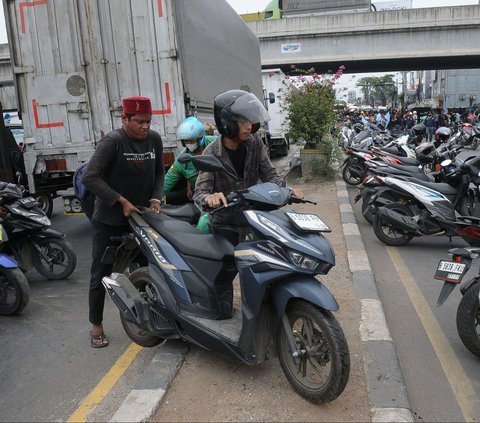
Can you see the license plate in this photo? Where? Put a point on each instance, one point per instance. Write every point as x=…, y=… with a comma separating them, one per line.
x=450, y=271
x=308, y=222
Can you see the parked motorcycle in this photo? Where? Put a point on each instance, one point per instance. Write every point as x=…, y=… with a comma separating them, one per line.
x=420, y=208
x=32, y=241
x=451, y=272
x=14, y=288
x=469, y=135
x=186, y=290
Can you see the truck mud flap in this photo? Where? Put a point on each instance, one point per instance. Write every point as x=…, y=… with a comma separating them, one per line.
x=401, y=221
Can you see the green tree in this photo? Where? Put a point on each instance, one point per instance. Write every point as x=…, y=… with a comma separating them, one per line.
x=378, y=89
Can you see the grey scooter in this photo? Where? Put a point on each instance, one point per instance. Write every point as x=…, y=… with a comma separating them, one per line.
x=184, y=290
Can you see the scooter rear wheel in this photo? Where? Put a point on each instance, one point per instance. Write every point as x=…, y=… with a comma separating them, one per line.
x=140, y=279
x=353, y=173
x=387, y=232
x=468, y=320
x=14, y=291
x=322, y=371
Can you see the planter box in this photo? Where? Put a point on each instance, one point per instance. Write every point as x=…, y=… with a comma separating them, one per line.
x=313, y=160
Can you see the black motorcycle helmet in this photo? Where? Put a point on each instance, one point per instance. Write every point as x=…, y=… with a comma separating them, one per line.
x=232, y=105
x=419, y=130
x=425, y=152
x=358, y=127
x=442, y=134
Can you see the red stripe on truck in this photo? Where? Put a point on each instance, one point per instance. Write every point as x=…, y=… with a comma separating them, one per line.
x=24, y=4
x=37, y=120
x=168, y=110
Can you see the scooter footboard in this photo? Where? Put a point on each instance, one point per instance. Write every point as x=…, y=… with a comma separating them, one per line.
x=125, y=297
x=305, y=288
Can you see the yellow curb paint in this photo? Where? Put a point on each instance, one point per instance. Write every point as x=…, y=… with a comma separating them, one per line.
x=462, y=389
x=103, y=387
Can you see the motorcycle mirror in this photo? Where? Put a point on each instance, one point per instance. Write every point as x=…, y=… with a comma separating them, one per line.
x=205, y=163
x=294, y=163
x=446, y=163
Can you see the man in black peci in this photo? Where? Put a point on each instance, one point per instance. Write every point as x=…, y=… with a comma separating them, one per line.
x=126, y=171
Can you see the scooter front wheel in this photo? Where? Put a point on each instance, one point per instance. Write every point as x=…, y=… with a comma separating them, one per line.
x=387, y=232
x=468, y=320
x=14, y=291
x=54, y=258
x=321, y=372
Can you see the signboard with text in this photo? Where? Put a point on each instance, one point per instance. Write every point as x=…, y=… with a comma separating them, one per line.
x=392, y=4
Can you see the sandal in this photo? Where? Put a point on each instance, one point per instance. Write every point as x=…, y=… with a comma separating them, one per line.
x=98, y=341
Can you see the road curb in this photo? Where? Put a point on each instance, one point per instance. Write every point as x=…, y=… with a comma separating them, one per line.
x=142, y=402
x=386, y=389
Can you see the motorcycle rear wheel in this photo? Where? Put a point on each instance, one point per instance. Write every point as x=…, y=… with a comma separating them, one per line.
x=56, y=261
x=323, y=370
x=468, y=320
x=140, y=279
x=353, y=179
x=14, y=291
x=474, y=143
x=387, y=232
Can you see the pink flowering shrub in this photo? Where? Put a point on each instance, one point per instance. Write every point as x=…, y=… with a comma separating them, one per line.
x=309, y=99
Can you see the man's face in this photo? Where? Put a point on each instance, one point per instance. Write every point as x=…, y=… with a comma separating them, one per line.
x=137, y=126
x=244, y=129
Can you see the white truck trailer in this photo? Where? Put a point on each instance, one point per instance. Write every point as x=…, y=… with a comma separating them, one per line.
x=274, y=82
x=74, y=60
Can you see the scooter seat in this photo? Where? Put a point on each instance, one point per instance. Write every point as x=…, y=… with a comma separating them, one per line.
x=440, y=187
x=188, y=239
x=387, y=170
x=406, y=160
x=406, y=168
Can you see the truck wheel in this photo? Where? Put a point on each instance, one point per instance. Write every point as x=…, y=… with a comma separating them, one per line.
x=45, y=203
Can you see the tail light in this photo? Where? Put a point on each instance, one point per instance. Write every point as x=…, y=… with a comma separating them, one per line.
x=470, y=231
x=56, y=165
x=168, y=158
x=457, y=259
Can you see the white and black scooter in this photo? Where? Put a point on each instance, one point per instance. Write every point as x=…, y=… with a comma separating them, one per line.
x=184, y=289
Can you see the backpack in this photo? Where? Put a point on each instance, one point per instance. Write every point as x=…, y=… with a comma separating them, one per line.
x=80, y=189
x=87, y=199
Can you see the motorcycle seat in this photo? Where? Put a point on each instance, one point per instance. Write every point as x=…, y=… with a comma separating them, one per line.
x=406, y=160
x=188, y=239
x=440, y=187
x=396, y=172
x=406, y=168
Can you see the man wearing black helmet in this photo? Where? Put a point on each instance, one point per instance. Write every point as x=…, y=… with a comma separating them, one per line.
x=238, y=115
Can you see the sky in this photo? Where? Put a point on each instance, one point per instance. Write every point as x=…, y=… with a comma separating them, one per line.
x=249, y=6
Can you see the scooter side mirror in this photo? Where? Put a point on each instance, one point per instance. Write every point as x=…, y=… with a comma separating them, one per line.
x=204, y=163
x=294, y=163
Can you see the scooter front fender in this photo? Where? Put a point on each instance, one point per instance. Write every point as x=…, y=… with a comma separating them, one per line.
x=305, y=288
x=49, y=233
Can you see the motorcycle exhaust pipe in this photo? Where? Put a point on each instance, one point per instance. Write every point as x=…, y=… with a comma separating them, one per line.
x=125, y=297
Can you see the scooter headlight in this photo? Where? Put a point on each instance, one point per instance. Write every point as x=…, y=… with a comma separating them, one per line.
x=302, y=261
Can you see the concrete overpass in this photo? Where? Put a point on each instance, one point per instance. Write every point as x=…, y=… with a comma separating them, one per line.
x=414, y=39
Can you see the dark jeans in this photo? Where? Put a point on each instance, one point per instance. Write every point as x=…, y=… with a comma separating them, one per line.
x=233, y=237
x=101, y=240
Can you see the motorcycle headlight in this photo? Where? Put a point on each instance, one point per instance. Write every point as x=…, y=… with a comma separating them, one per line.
x=302, y=261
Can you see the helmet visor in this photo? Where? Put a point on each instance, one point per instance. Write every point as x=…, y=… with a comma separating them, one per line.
x=250, y=108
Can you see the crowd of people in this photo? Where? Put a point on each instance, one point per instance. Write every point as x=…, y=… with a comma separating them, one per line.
x=404, y=120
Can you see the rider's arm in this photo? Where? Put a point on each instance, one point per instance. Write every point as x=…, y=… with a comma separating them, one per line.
x=172, y=177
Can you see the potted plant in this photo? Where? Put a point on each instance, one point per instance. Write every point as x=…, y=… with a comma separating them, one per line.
x=309, y=100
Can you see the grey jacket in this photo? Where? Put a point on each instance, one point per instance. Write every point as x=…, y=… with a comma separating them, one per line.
x=257, y=166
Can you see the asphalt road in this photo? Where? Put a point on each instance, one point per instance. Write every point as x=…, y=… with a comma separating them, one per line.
x=441, y=375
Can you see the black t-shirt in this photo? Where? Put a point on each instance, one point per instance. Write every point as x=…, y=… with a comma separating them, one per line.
x=237, y=158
